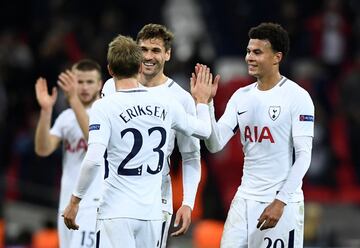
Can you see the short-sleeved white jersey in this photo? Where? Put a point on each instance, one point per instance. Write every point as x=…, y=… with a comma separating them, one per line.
x=74, y=148
x=268, y=121
x=135, y=127
x=185, y=143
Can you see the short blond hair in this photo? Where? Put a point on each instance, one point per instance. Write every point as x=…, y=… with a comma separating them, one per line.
x=124, y=57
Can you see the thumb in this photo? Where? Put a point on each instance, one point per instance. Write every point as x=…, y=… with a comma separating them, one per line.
x=177, y=220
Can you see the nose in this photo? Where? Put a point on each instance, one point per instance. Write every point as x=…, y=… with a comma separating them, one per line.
x=249, y=56
x=147, y=55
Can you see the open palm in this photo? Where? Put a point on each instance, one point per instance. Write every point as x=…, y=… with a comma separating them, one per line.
x=45, y=100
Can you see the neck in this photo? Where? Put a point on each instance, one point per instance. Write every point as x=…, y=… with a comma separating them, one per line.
x=269, y=81
x=159, y=79
x=126, y=83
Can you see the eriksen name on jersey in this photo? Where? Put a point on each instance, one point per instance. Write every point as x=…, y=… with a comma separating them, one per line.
x=139, y=110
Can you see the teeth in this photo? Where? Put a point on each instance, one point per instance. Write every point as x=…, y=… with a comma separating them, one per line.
x=149, y=64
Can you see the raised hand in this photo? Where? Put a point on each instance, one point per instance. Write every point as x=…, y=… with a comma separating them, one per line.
x=200, y=85
x=214, y=84
x=68, y=83
x=45, y=100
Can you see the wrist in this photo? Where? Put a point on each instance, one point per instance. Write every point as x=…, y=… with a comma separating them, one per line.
x=74, y=200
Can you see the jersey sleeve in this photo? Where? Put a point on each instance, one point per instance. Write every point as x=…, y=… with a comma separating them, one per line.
x=108, y=88
x=99, y=124
x=57, y=128
x=224, y=129
x=229, y=118
x=198, y=126
x=185, y=143
x=303, y=115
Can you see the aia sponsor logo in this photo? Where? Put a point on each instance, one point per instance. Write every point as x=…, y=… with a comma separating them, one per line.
x=81, y=145
x=258, y=134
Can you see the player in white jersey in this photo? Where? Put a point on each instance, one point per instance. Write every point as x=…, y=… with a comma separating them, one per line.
x=155, y=42
x=81, y=86
x=133, y=126
x=274, y=116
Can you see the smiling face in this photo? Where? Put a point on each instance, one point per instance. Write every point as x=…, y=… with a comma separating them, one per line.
x=89, y=85
x=154, y=58
x=262, y=60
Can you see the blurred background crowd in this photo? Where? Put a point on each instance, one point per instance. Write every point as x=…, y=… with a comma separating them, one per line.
x=44, y=37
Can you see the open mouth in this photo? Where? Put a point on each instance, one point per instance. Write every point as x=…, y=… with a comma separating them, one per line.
x=148, y=64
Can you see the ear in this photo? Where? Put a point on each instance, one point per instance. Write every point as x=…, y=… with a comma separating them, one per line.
x=168, y=55
x=110, y=71
x=278, y=57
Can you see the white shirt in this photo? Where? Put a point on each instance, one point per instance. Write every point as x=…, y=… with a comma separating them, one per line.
x=134, y=125
x=74, y=148
x=186, y=144
x=268, y=121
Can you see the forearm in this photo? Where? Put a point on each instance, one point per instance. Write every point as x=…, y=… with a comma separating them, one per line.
x=220, y=134
x=81, y=115
x=89, y=169
x=191, y=168
x=200, y=125
x=303, y=146
x=43, y=144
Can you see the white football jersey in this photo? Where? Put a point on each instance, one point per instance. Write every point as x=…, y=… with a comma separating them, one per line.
x=185, y=143
x=74, y=148
x=268, y=121
x=135, y=126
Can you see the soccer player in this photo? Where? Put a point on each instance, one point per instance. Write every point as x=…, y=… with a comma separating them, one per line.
x=274, y=116
x=132, y=127
x=81, y=86
x=155, y=42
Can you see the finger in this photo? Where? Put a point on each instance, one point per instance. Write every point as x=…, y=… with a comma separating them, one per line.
x=192, y=80
x=210, y=79
x=207, y=76
x=178, y=232
x=197, y=68
x=177, y=220
x=200, y=75
x=260, y=221
x=54, y=93
x=217, y=79
x=261, y=225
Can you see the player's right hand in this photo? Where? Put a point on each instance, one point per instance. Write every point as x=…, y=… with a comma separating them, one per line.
x=45, y=100
x=70, y=214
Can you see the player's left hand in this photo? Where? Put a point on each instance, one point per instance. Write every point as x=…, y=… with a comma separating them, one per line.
x=271, y=215
x=70, y=213
x=183, y=216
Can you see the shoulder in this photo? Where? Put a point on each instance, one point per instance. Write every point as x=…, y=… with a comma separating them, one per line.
x=179, y=93
x=66, y=114
x=243, y=90
x=294, y=89
x=108, y=87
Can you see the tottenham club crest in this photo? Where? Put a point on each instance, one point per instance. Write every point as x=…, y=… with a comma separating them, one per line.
x=274, y=112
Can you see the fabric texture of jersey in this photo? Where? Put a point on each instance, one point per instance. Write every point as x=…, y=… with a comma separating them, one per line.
x=133, y=125
x=74, y=148
x=268, y=121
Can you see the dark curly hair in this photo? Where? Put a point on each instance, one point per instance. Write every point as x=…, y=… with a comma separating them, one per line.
x=275, y=34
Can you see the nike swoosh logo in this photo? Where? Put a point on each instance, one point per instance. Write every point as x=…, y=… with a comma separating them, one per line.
x=240, y=113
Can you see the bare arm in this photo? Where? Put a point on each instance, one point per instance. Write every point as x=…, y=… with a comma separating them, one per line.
x=68, y=83
x=45, y=143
